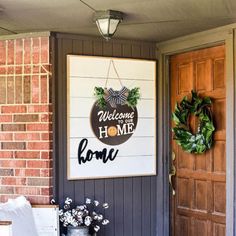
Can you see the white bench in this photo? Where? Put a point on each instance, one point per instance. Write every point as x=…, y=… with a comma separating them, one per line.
x=46, y=220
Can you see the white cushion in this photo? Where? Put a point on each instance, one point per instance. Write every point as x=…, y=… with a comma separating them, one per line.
x=19, y=211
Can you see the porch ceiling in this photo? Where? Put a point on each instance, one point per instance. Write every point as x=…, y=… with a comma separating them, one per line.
x=152, y=20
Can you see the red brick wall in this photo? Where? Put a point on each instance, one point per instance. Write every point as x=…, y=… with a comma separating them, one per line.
x=25, y=120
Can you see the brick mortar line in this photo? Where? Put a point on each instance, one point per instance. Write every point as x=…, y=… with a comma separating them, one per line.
x=12, y=75
x=24, y=150
x=21, y=113
x=17, y=132
x=29, y=64
x=28, y=195
x=16, y=194
x=32, y=177
x=21, y=168
x=26, y=104
x=24, y=131
x=26, y=122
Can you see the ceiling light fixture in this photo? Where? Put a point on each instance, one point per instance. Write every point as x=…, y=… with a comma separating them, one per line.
x=107, y=22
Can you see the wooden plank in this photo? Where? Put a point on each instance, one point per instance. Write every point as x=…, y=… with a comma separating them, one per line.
x=128, y=213
x=137, y=207
x=61, y=171
x=79, y=187
x=136, y=51
x=99, y=188
x=126, y=50
x=77, y=47
x=88, y=47
x=107, y=49
x=89, y=190
x=146, y=206
x=119, y=206
x=68, y=186
x=98, y=48
x=110, y=213
x=153, y=200
x=117, y=49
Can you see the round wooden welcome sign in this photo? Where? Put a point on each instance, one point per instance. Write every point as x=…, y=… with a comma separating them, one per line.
x=113, y=125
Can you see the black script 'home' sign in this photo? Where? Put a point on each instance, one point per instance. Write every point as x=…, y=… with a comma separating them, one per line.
x=113, y=126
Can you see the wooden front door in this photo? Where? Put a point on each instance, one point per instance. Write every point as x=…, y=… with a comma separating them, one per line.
x=198, y=207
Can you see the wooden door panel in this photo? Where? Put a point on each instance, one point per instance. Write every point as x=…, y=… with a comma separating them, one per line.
x=185, y=78
x=219, y=114
x=203, y=75
x=219, y=197
x=198, y=208
x=219, y=157
x=202, y=161
x=183, y=198
x=184, y=225
x=200, y=195
x=218, y=76
x=185, y=160
x=200, y=227
x=218, y=229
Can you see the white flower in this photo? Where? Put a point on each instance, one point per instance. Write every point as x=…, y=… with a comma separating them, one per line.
x=67, y=206
x=86, y=212
x=80, y=213
x=80, y=220
x=70, y=219
x=88, y=201
x=95, y=215
x=53, y=201
x=87, y=220
x=68, y=201
x=96, y=228
x=100, y=217
x=96, y=203
x=60, y=212
x=81, y=207
x=105, y=205
x=105, y=222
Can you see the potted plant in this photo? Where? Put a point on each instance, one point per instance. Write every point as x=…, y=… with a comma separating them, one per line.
x=82, y=219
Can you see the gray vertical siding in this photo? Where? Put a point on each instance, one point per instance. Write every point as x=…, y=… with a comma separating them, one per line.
x=133, y=200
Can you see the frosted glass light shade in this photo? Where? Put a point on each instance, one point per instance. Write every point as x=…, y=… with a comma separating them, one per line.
x=107, y=22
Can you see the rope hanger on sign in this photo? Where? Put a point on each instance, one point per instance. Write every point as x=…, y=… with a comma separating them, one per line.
x=114, y=97
x=108, y=73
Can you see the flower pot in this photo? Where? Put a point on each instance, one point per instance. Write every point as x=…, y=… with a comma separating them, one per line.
x=78, y=231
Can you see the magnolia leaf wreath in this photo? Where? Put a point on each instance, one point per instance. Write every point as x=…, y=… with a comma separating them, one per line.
x=201, y=141
x=113, y=97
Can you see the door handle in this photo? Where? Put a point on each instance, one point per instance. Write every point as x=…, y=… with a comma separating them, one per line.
x=172, y=173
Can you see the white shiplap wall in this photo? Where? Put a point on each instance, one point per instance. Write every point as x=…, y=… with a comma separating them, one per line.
x=137, y=156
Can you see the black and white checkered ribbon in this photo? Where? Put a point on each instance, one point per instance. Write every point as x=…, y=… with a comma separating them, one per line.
x=117, y=97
